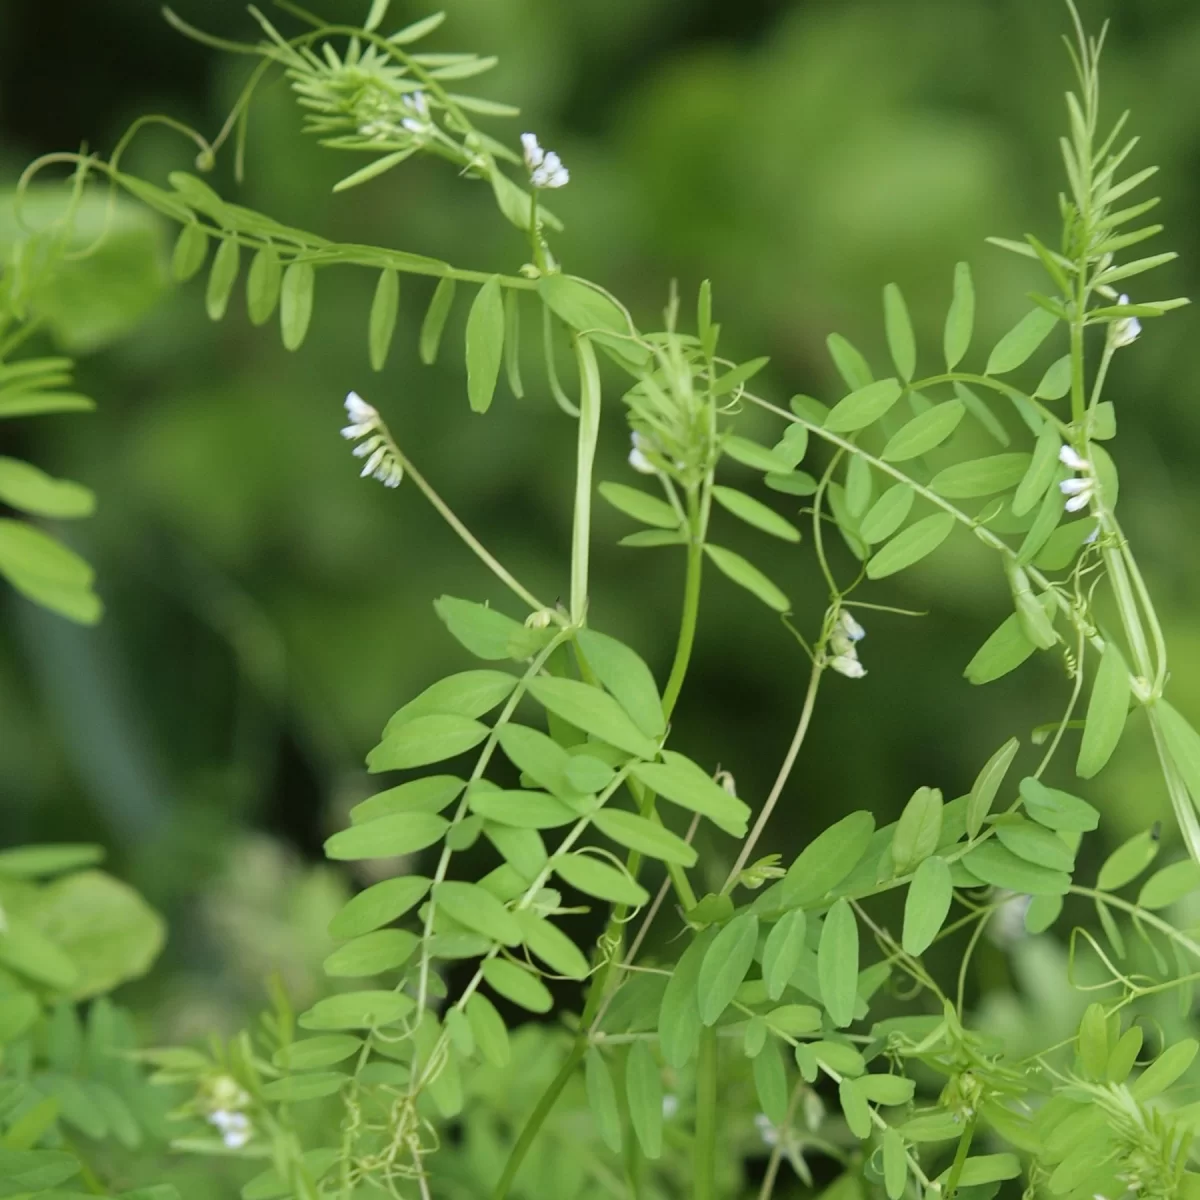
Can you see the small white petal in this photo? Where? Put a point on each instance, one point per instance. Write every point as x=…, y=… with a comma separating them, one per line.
x=1070, y=457
x=850, y=627
x=640, y=463
x=1123, y=299
x=373, y=462
x=1079, y=502
x=413, y=125
x=534, y=154
x=359, y=411
x=843, y=664
x=1091, y=537
x=670, y=1105
x=367, y=447
x=1073, y=487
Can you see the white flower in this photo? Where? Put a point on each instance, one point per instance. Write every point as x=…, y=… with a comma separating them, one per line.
x=637, y=456
x=767, y=1131
x=381, y=462
x=534, y=154
x=843, y=664
x=234, y=1127
x=670, y=1106
x=850, y=627
x=416, y=104
x=1080, y=490
x=1008, y=922
x=545, y=167
x=1125, y=331
x=1070, y=457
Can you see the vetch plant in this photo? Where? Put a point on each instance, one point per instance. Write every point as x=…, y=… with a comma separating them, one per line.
x=794, y=1027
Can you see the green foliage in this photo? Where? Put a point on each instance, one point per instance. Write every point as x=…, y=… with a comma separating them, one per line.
x=409, y=1051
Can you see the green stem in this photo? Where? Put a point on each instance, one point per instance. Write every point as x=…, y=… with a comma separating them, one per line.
x=687, y=625
x=589, y=434
x=704, y=1182
x=960, y=1159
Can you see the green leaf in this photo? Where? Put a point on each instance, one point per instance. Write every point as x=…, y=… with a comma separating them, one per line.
x=837, y=963
x=783, y=951
x=646, y=837
x=887, y=514
x=477, y=909
x=643, y=1089
x=384, y=309
x=1056, y=382
x=851, y=365
x=898, y=325
x=737, y=377
x=593, y=711
x=992, y=863
x=1042, y=912
x=378, y=905
x=641, y=506
x=1164, y=1070
x=485, y=344
x=792, y=1020
x=924, y=432
x=296, y=303
x=793, y=446
x=855, y=1107
x=960, y=320
x=745, y=574
x=372, y=954
x=19, y=1012
x=1035, y=844
x=519, y=809
x=755, y=513
x=985, y=1168
x=682, y=782
x=725, y=966
x=910, y=546
x=895, y=1165
x=625, y=675
x=1042, y=471
x=1093, y=1042
x=827, y=860
x=466, y=694
x=425, y=739
x=1006, y=649
x=298, y=1088
x=602, y=1099
x=357, y=1010
x=47, y=572
x=263, y=284
x=864, y=406
x=309, y=1053
x=791, y=483
x=221, y=278
x=551, y=945
x=1016, y=346
x=488, y=1029
x=538, y=756
x=751, y=454
x=987, y=784
x=888, y=1090
x=30, y=953
x=981, y=476
x=770, y=1083
x=1056, y=809
x=927, y=904
x=1124, y=1055
x=522, y=849
x=598, y=879
x=33, y=1171
x=387, y=837
x=191, y=249
x=978, y=408
x=1169, y=885
x=373, y=169
x=37, y=862
x=588, y=310
x=1128, y=861
x=486, y=633
x=679, y=1022
x=435, y=320
x=516, y=984
x=109, y=933
x=918, y=830
x=1106, y=713
x=859, y=486
x=431, y=793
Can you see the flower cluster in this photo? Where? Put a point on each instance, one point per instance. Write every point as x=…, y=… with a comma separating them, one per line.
x=365, y=422
x=1079, y=490
x=226, y=1101
x=545, y=167
x=847, y=633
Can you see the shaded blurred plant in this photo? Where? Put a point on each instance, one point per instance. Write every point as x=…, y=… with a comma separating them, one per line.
x=361, y=1091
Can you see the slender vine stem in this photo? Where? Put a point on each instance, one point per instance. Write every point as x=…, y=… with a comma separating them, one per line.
x=589, y=434
x=704, y=1181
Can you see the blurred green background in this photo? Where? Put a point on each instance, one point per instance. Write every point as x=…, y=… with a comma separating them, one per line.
x=267, y=611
